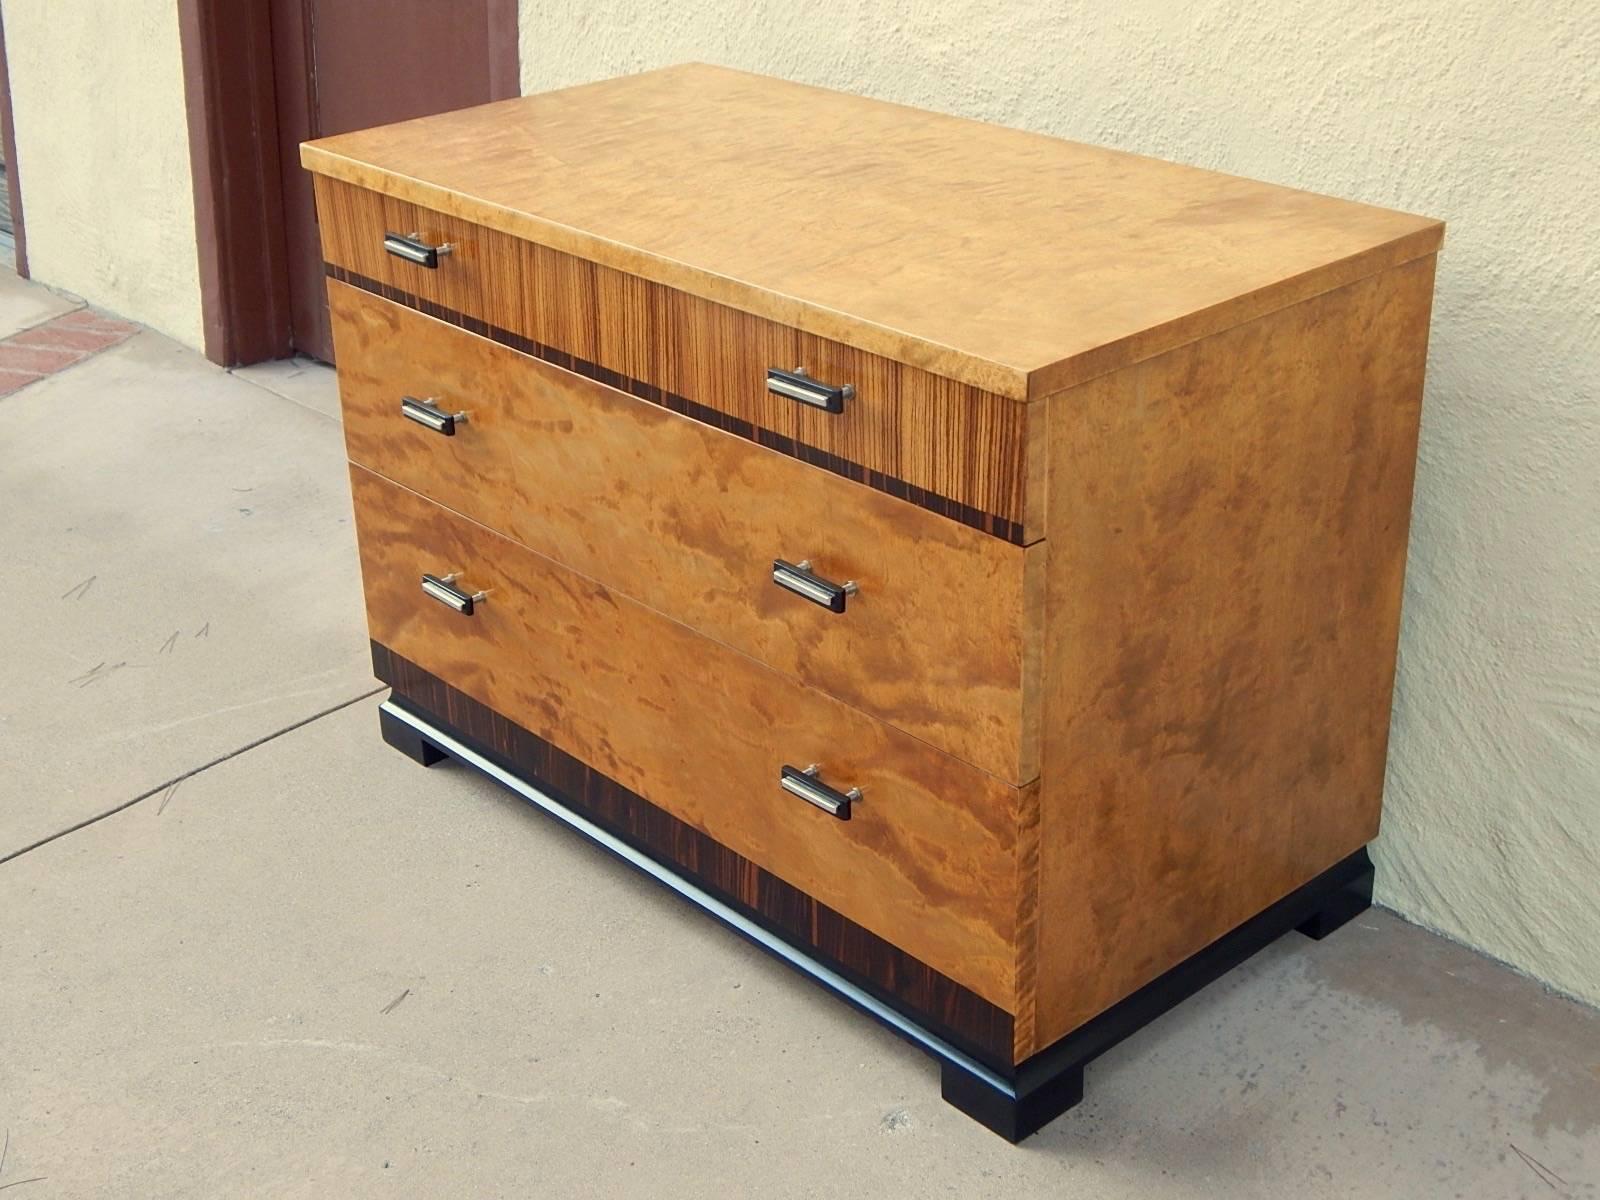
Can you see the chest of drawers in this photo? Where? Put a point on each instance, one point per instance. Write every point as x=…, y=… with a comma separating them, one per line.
x=966, y=563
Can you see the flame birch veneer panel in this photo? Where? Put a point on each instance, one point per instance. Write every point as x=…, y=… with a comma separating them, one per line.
x=1227, y=549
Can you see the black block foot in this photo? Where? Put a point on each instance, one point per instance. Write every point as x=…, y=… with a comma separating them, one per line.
x=407, y=740
x=1339, y=907
x=1013, y=1116
x=1019, y=1100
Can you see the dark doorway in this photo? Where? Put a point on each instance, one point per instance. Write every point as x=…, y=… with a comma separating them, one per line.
x=351, y=64
x=264, y=75
x=13, y=245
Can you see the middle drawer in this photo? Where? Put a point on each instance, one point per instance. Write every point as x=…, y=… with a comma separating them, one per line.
x=689, y=521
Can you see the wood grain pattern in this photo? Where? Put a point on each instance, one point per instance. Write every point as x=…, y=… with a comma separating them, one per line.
x=904, y=431
x=1012, y=262
x=1127, y=690
x=687, y=520
x=927, y=860
x=1228, y=531
x=934, y=1000
x=1035, y=471
x=1025, y=1018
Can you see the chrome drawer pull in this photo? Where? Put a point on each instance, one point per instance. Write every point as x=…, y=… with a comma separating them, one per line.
x=413, y=249
x=441, y=589
x=797, y=385
x=800, y=580
x=808, y=785
x=429, y=415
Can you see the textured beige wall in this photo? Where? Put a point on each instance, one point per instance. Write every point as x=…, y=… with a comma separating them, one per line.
x=103, y=154
x=1484, y=114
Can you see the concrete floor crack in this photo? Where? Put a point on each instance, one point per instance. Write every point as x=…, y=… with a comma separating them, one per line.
x=168, y=787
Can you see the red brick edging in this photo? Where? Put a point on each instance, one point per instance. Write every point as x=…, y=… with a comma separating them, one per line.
x=57, y=344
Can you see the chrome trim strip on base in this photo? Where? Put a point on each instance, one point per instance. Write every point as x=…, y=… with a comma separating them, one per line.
x=829, y=979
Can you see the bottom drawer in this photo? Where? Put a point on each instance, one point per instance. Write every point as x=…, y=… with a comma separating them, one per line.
x=926, y=858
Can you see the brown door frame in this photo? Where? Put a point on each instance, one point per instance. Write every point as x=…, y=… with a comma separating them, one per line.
x=9, y=136
x=238, y=200
x=232, y=102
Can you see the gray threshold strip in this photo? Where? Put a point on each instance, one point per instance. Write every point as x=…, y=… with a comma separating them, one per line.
x=192, y=772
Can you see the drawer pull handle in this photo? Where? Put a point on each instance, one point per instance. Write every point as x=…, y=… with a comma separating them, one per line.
x=429, y=415
x=802, y=581
x=412, y=248
x=797, y=385
x=808, y=785
x=442, y=588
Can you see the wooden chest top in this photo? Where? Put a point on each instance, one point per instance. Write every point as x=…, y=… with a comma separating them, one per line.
x=1015, y=262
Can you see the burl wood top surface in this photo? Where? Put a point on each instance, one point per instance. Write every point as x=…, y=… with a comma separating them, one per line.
x=1015, y=262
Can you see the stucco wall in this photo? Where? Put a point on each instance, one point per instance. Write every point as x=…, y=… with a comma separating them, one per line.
x=103, y=154
x=1486, y=114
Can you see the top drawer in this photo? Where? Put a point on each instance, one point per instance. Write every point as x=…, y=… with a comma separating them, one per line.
x=942, y=445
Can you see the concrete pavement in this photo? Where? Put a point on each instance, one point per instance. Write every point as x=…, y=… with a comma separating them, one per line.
x=180, y=579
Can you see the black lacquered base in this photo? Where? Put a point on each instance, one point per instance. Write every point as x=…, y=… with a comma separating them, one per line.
x=1012, y=1101
x=1046, y=1085
x=406, y=738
